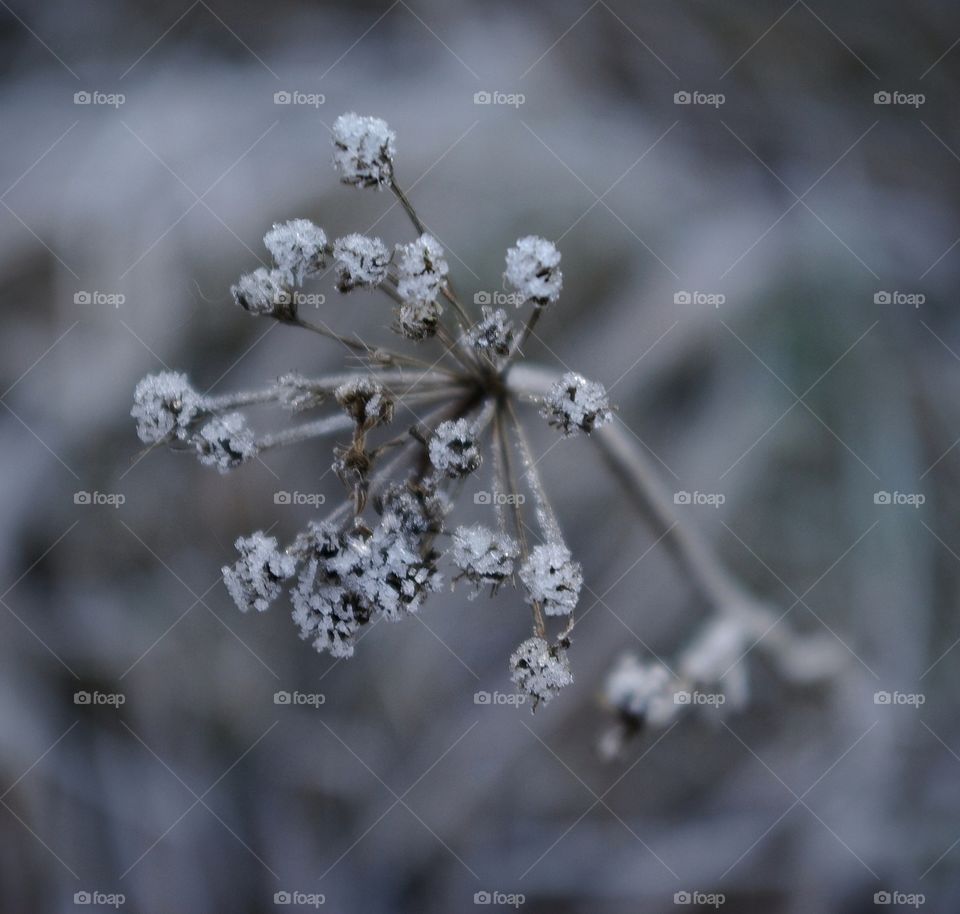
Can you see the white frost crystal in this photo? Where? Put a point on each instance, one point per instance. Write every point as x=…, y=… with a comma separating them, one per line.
x=363, y=150
x=533, y=269
x=225, y=442
x=575, y=404
x=262, y=292
x=297, y=247
x=365, y=401
x=164, y=405
x=255, y=580
x=539, y=670
x=493, y=333
x=418, y=320
x=298, y=393
x=484, y=556
x=361, y=261
x=453, y=449
x=421, y=270
x=552, y=578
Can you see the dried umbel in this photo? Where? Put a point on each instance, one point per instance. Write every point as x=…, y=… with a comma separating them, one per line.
x=377, y=554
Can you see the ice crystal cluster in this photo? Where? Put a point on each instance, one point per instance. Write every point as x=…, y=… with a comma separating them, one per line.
x=409, y=432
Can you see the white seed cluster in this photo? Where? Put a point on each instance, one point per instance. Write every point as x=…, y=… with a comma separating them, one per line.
x=225, y=442
x=484, y=556
x=539, y=670
x=262, y=292
x=492, y=334
x=363, y=150
x=574, y=404
x=552, y=578
x=361, y=262
x=421, y=270
x=164, y=405
x=453, y=449
x=256, y=579
x=298, y=248
x=533, y=269
x=365, y=401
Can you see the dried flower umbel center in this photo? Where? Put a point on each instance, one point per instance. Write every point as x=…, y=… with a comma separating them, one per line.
x=377, y=555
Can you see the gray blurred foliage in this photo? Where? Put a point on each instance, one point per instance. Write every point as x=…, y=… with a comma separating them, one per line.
x=217, y=797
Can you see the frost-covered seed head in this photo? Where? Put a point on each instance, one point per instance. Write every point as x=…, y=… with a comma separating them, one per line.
x=416, y=508
x=164, y=405
x=225, y=442
x=363, y=150
x=575, y=404
x=365, y=401
x=264, y=292
x=256, y=579
x=552, y=578
x=361, y=261
x=643, y=691
x=539, y=670
x=533, y=269
x=493, y=333
x=421, y=270
x=297, y=247
x=418, y=321
x=453, y=449
x=484, y=556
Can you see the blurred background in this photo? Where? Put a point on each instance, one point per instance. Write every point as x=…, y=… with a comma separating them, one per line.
x=763, y=271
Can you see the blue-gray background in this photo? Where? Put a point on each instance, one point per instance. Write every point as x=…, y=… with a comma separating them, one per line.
x=798, y=199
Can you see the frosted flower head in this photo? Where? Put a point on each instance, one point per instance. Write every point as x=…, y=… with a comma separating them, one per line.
x=418, y=321
x=533, y=269
x=642, y=691
x=225, y=442
x=416, y=508
x=365, y=401
x=575, y=404
x=539, y=670
x=492, y=334
x=453, y=449
x=298, y=248
x=484, y=556
x=361, y=261
x=421, y=270
x=256, y=579
x=552, y=578
x=264, y=292
x=363, y=150
x=164, y=405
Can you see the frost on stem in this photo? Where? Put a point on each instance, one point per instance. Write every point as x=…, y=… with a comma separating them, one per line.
x=533, y=269
x=363, y=150
x=256, y=579
x=421, y=270
x=264, y=292
x=484, y=556
x=365, y=401
x=552, y=578
x=164, y=405
x=453, y=449
x=298, y=393
x=361, y=262
x=225, y=442
x=539, y=670
x=297, y=247
x=575, y=404
x=492, y=334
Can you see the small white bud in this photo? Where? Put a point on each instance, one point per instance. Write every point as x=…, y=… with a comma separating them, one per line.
x=533, y=269
x=421, y=270
x=225, y=442
x=255, y=579
x=298, y=248
x=552, y=578
x=453, y=449
x=363, y=150
x=575, y=404
x=164, y=405
x=263, y=292
x=361, y=261
x=539, y=670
